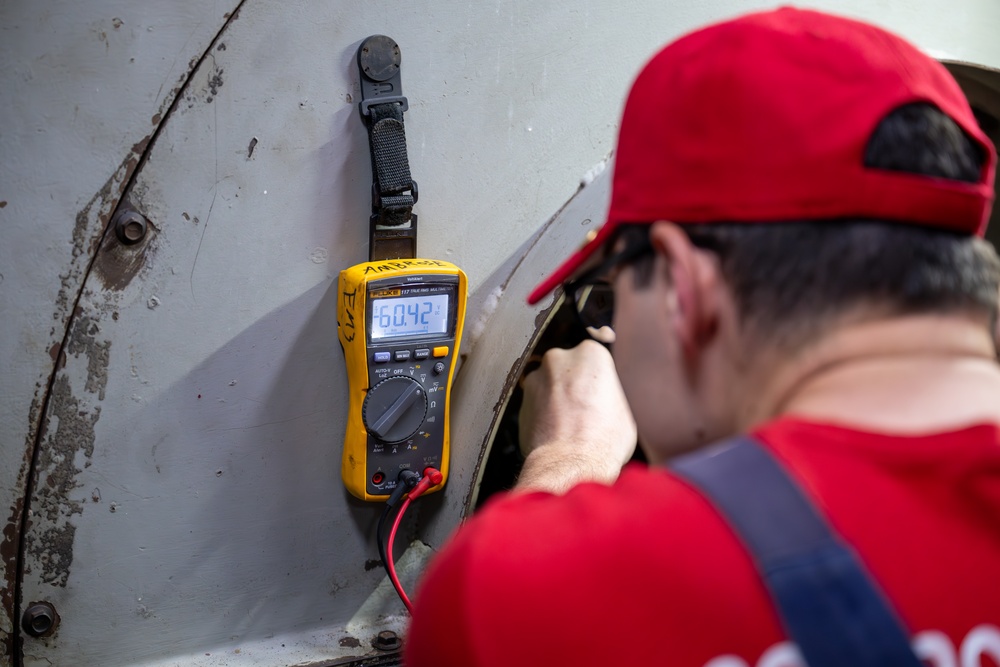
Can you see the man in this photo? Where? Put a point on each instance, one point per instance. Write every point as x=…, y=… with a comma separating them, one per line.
x=794, y=252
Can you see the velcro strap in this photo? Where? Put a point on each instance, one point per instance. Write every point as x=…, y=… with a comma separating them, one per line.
x=393, y=185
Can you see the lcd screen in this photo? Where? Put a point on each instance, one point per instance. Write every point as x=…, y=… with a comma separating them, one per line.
x=400, y=317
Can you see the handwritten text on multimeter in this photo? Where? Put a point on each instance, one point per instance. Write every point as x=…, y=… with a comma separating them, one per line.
x=350, y=299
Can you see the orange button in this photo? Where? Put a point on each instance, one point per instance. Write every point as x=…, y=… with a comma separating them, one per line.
x=441, y=351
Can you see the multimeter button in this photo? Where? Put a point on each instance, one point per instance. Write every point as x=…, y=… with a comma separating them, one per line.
x=381, y=357
x=422, y=353
x=438, y=368
x=441, y=351
x=402, y=355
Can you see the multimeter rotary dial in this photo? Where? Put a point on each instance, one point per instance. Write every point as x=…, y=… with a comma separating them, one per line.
x=394, y=409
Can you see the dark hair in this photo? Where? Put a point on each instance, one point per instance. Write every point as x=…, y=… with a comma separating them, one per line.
x=790, y=279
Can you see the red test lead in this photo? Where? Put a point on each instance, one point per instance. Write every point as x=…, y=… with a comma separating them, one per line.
x=431, y=477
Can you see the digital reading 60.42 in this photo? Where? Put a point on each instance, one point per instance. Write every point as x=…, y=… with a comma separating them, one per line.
x=409, y=316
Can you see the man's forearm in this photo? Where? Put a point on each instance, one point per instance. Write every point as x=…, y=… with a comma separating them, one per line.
x=557, y=468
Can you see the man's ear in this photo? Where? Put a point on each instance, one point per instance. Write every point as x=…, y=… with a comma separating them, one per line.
x=694, y=275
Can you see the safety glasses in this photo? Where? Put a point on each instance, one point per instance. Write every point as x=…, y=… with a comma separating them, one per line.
x=592, y=295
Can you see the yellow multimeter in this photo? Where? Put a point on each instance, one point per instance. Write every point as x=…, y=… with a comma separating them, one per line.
x=400, y=324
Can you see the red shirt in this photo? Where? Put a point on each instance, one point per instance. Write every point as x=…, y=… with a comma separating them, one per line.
x=647, y=572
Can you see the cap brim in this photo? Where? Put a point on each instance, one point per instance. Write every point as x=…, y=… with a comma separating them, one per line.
x=571, y=265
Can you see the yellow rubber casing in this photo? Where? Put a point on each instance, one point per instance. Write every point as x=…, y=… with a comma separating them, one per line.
x=402, y=358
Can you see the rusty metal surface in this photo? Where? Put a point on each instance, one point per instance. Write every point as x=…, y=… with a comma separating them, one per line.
x=83, y=92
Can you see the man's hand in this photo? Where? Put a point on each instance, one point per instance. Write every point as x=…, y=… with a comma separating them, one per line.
x=575, y=424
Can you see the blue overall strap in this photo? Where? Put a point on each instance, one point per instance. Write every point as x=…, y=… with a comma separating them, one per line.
x=830, y=606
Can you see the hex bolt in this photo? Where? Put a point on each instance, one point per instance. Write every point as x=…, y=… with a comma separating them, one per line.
x=130, y=227
x=387, y=640
x=40, y=619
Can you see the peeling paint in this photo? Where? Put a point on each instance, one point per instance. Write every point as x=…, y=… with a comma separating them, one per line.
x=38, y=533
x=55, y=475
x=84, y=341
x=89, y=228
x=91, y=223
x=67, y=433
x=11, y=537
x=8, y=551
x=50, y=541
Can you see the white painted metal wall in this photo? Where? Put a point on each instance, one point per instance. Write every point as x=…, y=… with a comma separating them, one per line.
x=186, y=505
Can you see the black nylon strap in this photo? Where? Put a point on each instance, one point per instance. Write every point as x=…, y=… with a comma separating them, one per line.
x=829, y=604
x=392, y=228
x=393, y=188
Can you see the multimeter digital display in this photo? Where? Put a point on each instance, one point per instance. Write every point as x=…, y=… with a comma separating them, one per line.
x=400, y=324
x=396, y=316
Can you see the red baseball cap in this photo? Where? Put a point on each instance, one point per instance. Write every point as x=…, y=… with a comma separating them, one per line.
x=766, y=118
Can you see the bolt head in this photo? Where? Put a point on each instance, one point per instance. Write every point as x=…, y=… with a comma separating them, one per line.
x=133, y=231
x=39, y=619
x=387, y=640
x=130, y=227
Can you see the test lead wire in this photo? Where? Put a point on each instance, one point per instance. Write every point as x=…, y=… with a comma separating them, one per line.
x=413, y=485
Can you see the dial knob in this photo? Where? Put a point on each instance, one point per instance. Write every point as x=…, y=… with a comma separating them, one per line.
x=394, y=409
